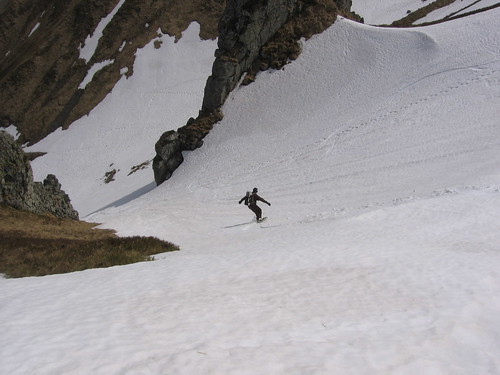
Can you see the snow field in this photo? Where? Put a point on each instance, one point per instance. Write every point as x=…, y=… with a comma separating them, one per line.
x=378, y=149
x=409, y=301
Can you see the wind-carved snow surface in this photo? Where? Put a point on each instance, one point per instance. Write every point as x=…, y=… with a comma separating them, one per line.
x=378, y=149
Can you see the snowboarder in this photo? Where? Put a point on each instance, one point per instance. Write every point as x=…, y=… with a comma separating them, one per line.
x=251, y=202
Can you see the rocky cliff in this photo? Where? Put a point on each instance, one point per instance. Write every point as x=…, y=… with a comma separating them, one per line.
x=18, y=190
x=254, y=35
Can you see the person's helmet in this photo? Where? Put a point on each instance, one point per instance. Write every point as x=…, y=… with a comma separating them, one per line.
x=254, y=190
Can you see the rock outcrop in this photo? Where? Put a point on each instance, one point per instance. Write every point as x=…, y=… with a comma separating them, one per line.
x=254, y=35
x=258, y=35
x=245, y=26
x=172, y=143
x=18, y=190
x=168, y=156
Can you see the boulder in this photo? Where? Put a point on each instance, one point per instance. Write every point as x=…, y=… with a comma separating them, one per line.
x=16, y=177
x=168, y=156
x=18, y=190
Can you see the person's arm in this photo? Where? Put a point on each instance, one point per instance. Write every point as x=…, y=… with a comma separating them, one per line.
x=263, y=200
x=242, y=199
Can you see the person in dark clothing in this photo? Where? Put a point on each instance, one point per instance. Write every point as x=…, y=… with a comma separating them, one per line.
x=251, y=201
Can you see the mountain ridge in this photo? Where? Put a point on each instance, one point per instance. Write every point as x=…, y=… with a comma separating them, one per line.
x=40, y=64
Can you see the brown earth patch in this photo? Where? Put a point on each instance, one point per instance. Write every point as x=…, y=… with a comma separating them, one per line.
x=412, y=17
x=37, y=245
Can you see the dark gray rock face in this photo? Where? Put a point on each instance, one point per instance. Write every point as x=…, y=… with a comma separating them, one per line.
x=16, y=177
x=171, y=144
x=49, y=198
x=245, y=26
x=344, y=5
x=168, y=156
x=17, y=188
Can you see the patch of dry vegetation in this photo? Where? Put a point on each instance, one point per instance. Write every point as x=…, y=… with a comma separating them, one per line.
x=37, y=245
x=412, y=17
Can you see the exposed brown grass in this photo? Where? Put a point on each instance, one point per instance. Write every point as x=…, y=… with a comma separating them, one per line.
x=37, y=245
x=454, y=16
x=411, y=18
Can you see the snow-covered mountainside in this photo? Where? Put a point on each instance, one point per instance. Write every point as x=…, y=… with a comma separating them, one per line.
x=59, y=59
x=378, y=149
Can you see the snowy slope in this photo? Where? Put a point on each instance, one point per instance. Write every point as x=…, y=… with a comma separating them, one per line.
x=164, y=91
x=378, y=149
